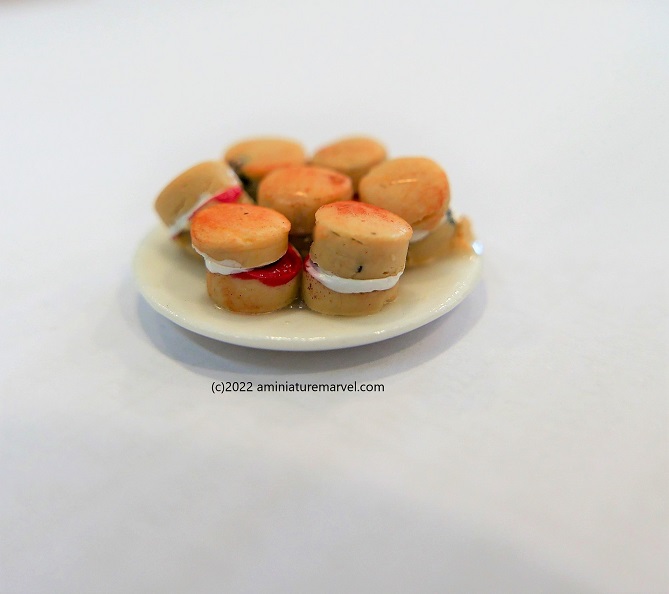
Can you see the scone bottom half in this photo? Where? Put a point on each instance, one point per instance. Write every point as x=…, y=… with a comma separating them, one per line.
x=319, y=298
x=261, y=290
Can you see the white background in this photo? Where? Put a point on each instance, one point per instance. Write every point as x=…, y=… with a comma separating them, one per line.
x=521, y=443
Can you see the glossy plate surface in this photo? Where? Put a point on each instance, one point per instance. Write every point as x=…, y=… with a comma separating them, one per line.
x=173, y=283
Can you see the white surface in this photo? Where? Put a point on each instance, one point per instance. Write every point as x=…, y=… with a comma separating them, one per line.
x=521, y=441
x=173, y=284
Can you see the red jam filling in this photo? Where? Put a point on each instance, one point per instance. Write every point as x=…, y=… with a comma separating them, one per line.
x=284, y=270
x=230, y=195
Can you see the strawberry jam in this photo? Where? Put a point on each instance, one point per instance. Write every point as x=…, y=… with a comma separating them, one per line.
x=284, y=270
x=230, y=195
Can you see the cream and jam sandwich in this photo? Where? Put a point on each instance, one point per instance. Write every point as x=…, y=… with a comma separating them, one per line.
x=353, y=156
x=298, y=192
x=417, y=189
x=254, y=158
x=251, y=267
x=207, y=183
x=356, y=259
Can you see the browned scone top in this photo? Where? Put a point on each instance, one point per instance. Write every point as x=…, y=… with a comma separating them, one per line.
x=353, y=156
x=415, y=188
x=359, y=241
x=256, y=157
x=248, y=235
x=183, y=192
x=298, y=192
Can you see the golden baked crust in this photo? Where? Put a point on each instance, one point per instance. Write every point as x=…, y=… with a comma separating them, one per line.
x=415, y=188
x=256, y=157
x=250, y=296
x=353, y=156
x=298, y=192
x=359, y=241
x=319, y=298
x=247, y=234
x=182, y=193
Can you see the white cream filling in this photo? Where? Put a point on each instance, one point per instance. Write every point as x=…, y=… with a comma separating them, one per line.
x=181, y=223
x=350, y=285
x=422, y=234
x=226, y=267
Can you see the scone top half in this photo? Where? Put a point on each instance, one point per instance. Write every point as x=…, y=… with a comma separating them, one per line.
x=353, y=156
x=298, y=192
x=198, y=187
x=359, y=241
x=254, y=158
x=415, y=188
x=237, y=237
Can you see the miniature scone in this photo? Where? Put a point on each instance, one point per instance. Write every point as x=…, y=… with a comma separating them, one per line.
x=417, y=189
x=298, y=192
x=254, y=158
x=251, y=267
x=199, y=187
x=356, y=259
x=353, y=156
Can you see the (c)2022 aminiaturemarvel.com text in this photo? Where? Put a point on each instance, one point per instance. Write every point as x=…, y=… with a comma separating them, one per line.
x=230, y=387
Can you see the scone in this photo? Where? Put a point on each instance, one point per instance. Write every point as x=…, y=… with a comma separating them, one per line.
x=251, y=267
x=356, y=259
x=254, y=158
x=353, y=156
x=298, y=192
x=199, y=187
x=417, y=189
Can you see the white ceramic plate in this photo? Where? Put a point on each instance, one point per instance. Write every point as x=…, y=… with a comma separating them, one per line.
x=173, y=283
